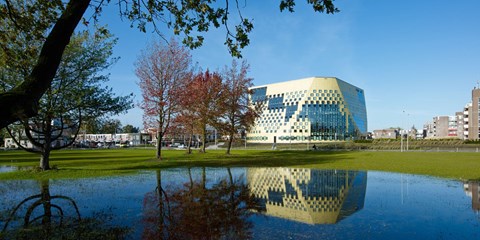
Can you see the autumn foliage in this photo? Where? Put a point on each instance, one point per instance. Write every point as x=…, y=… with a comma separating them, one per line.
x=237, y=114
x=202, y=102
x=163, y=70
x=177, y=100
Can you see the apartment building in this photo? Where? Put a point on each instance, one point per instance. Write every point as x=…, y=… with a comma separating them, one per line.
x=464, y=125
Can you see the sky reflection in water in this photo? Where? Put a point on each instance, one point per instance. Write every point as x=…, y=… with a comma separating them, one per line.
x=258, y=203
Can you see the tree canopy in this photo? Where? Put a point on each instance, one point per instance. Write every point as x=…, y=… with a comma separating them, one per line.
x=76, y=93
x=59, y=19
x=163, y=70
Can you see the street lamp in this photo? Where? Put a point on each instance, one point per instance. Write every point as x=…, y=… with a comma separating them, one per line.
x=408, y=115
x=401, y=139
x=406, y=131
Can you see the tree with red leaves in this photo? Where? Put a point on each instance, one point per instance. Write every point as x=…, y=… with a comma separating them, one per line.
x=186, y=122
x=203, y=101
x=237, y=115
x=163, y=71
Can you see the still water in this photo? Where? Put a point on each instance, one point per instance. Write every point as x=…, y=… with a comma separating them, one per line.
x=242, y=203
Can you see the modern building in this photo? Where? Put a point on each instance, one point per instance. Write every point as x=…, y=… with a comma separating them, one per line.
x=310, y=109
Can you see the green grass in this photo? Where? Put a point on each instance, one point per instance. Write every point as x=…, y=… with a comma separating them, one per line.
x=92, y=163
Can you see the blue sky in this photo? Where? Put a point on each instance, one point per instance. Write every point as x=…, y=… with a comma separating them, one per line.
x=414, y=59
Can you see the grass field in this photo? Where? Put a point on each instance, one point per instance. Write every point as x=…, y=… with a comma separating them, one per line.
x=92, y=163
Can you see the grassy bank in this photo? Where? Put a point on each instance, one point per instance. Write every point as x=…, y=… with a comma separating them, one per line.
x=91, y=163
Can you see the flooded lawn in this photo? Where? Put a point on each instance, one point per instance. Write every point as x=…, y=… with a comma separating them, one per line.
x=7, y=169
x=241, y=203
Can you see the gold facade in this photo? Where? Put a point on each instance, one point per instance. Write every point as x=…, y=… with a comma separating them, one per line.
x=311, y=109
x=308, y=195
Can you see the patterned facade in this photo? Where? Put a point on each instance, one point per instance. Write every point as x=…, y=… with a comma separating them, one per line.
x=308, y=195
x=311, y=109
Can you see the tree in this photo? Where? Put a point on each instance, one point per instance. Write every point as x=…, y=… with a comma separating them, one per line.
x=204, y=97
x=75, y=93
x=186, y=121
x=3, y=135
x=111, y=126
x=92, y=125
x=200, y=209
x=61, y=18
x=130, y=129
x=162, y=70
x=237, y=113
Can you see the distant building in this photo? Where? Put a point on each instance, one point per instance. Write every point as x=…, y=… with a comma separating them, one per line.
x=464, y=125
x=310, y=109
x=422, y=134
x=103, y=139
x=473, y=130
x=10, y=143
x=413, y=133
x=460, y=125
x=428, y=130
x=466, y=120
x=440, y=126
x=391, y=133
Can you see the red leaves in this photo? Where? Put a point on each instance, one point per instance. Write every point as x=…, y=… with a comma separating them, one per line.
x=162, y=70
x=174, y=97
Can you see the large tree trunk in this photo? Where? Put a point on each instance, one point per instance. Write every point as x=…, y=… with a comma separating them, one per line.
x=204, y=139
x=230, y=140
x=45, y=159
x=22, y=101
x=47, y=147
x=231, y=131
x=159, y=144
x=189, y=144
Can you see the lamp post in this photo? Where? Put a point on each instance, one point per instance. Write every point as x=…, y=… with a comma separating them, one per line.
x=405, y=123
x=408, y=115
x=401, y=139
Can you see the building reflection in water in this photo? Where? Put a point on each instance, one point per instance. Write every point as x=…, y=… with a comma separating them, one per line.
x=472, y=190
x=308, y=195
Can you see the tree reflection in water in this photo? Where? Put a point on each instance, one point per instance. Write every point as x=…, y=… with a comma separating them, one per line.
x=46, y=216
x=193, y=211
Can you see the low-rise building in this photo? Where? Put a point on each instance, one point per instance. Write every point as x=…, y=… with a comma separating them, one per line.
x=390, y=133
x=103, y=139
